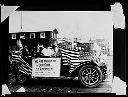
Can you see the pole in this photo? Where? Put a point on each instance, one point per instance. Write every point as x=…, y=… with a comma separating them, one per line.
x=21, y=20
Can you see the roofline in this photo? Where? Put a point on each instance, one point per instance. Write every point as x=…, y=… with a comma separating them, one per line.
x=29, y=32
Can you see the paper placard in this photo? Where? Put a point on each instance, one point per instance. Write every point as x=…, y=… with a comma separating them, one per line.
x=46, y=67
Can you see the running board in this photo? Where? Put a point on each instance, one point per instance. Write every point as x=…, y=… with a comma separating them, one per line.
x=61, y=77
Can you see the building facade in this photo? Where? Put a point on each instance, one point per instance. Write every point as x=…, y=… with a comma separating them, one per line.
x=32, y=39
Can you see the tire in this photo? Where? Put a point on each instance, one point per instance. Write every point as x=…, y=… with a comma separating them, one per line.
x=90, y=79
x=22, y=78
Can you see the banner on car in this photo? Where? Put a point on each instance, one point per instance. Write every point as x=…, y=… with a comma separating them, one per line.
x=46, y=67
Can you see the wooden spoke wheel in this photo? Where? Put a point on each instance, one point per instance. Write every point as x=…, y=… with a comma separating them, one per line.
x=90, y=76
x=22, y=78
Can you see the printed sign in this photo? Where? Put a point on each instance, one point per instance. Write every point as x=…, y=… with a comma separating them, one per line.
x=46, y=67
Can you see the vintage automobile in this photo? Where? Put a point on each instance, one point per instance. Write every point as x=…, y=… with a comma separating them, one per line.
x=29, y=64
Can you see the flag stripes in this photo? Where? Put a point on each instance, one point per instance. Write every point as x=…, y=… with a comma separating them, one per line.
x=22, y=70
x=69, y=57
x=20, y=59
x=23, y=66
x=72, y=52
x=74, y=58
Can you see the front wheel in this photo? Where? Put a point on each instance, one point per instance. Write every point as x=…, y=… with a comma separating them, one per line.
x=90, y=76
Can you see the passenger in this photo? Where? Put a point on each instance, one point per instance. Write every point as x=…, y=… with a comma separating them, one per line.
x=48, y=51
x=55, y=49
x=25, y=54
x=40, y=48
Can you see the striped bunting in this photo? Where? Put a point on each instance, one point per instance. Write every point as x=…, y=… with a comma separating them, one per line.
x=71, y=54
x=73, y=58
x=70, y=51
x=69, y=57
x=19, y=59
x=24, y=66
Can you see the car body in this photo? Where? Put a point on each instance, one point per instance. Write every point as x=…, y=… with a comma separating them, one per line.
x=64, y=63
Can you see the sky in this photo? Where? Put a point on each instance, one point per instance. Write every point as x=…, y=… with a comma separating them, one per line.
x=83, y=24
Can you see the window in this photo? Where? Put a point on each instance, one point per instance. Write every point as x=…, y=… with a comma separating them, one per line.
x=13, y=36
x=32, y=35
x=42, y=35
x=22, y=36
x=52, y=34
x=55, y=35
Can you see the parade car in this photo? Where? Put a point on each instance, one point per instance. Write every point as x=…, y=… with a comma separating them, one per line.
x=31, y=63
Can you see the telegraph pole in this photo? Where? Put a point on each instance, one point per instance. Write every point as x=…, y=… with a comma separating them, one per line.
x=21, y=20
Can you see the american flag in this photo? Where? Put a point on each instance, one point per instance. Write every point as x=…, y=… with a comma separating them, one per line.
x=73, y=58
x=16, y=57
x=22, y=65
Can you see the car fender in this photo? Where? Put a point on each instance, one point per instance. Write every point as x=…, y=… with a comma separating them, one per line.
x=74, y=73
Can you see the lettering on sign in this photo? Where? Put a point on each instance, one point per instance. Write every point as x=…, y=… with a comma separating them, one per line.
x=46, y=67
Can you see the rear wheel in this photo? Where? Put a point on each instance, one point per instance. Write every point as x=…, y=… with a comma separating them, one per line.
x=22, y=78
x=90, y=76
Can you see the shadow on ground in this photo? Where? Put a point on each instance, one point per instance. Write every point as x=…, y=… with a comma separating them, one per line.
x=54, y=83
